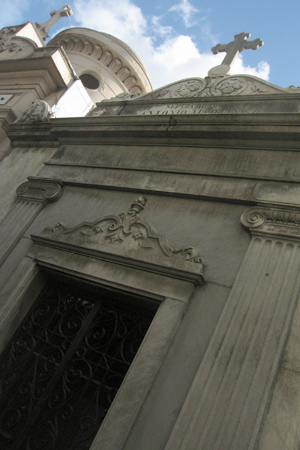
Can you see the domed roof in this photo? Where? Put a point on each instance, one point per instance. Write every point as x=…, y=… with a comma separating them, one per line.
x=118, y=57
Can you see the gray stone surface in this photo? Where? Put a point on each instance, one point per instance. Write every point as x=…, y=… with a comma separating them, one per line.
x=15, y=168
x=281, y=427
x=164, y=400
x=17, y=296
x=32, y=196
x=205, y=373
x=228, y=398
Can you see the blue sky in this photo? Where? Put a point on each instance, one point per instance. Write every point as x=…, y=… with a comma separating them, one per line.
x=174, y=38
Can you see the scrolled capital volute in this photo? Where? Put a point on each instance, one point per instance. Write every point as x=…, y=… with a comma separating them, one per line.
x=42, y=190
x=253, y=218
x=273, y=220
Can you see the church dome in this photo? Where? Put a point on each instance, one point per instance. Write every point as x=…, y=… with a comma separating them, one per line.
x=106, y=66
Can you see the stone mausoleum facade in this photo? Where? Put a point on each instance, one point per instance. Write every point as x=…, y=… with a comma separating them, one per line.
x=150, y=252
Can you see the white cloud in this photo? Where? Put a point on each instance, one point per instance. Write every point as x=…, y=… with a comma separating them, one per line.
x=12, y=12
x=121, y=18
x=262, y=70
x=176, y=52
x=187, y=10
x=160, y=30
x=174, y=58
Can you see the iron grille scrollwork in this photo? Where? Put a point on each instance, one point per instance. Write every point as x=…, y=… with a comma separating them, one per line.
x=61, y=371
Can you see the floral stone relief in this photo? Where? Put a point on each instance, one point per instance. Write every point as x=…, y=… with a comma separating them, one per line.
x=130, y=236
x=218, y=86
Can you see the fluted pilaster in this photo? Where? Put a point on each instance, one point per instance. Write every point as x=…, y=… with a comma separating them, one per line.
x=32, y=196
x=229, y=396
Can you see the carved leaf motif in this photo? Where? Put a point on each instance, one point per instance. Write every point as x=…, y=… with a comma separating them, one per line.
x=128, y=231
x=215, y=86
x=190, y=254
x=38, y=111
x=50, y=231
x=164, y=93
x=189, y=88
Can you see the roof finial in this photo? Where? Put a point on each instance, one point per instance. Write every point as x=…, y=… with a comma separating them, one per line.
x=232, y=49
x=43, y=28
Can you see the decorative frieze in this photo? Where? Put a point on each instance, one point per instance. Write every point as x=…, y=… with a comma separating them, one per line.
x=127, y=238
x=39, y=111
x=218, y=86
x=6, y=35
x=211, y=95
x=14, y=47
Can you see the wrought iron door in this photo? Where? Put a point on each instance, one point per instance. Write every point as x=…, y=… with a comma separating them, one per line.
x=64, y=366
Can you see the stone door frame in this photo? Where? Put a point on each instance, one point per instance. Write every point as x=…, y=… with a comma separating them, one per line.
x=172, y=294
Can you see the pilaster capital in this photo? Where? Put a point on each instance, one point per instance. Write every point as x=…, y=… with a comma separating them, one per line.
x=41, y=190
x=282, y=221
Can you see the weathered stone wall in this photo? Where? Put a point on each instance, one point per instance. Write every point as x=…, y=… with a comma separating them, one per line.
x=199, y=173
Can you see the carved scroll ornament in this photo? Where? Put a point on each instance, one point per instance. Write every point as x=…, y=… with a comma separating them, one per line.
x=271, y=220
x=218, y=86
x=39, y=111
x=6, y=43
x=15, y=47
x=40, y=190
x=128, y=235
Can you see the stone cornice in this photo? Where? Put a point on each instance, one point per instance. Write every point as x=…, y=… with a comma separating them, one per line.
x=40, y=190
x=50, y=63
x=275, y=221
x=229, y=130
x=189, y=127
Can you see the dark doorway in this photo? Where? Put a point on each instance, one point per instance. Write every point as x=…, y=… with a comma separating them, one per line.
x=64, y=366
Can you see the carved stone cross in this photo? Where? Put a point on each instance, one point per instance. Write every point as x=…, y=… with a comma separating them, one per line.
x=232, y=49
x=43, y=28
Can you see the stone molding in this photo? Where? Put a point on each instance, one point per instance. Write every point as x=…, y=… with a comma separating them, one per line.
x=283, y=222
x=105, y=55
x=42, y=190
x=129, y=240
